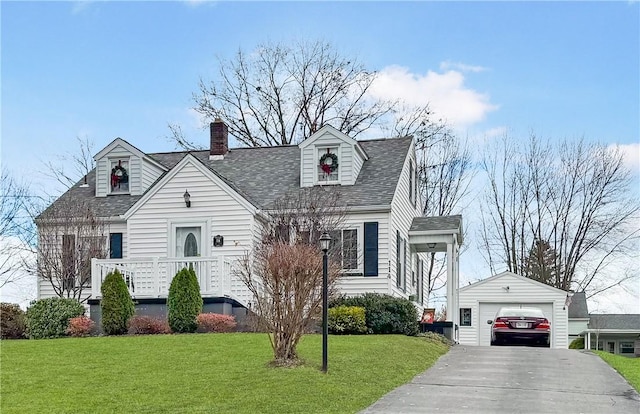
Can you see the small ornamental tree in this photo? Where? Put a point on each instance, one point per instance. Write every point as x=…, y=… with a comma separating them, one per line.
x=117, y=305
x=184, y=302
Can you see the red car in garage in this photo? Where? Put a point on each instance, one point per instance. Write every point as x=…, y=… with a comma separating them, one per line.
x=520, y=325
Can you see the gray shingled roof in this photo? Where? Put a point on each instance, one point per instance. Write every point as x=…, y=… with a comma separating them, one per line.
x=615, y=321
x=578, y=306
x=438, y=223
x=263, y=174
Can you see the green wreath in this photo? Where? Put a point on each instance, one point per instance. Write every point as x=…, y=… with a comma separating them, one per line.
x=118, y=176
x=329, y=168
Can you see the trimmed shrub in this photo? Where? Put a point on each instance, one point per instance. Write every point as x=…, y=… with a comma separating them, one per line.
x=385, y=314
x=49, y=318
x=12, y=321
x=148, y=325
x=184, y=302
x=215, y=322
x=577, y=343
x=436, y=337
x=117, y=306
x=80, y=326
x=347, y=320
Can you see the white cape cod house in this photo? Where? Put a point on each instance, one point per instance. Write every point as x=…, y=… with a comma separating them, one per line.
x=152, y=227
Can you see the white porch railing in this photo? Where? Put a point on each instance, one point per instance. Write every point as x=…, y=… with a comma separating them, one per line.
x=151, y=277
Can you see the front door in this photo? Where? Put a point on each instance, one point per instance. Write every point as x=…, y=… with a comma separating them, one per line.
x=188, y=241
x=611, y=347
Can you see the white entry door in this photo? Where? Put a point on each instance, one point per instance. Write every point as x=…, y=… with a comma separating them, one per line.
x=188, y=241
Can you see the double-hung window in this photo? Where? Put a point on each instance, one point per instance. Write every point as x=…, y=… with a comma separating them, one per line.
x=119, y=176
x=328, y=165
x=345, y=246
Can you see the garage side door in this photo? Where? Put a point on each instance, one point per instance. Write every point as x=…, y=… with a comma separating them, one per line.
x=489, y=310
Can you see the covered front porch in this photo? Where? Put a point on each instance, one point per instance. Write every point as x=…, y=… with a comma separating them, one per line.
x=442, y=234
x=150, y=277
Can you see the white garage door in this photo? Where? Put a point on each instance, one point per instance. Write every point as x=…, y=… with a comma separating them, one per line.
x=488, y=312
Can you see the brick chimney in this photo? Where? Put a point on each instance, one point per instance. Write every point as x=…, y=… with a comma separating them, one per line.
x=219, y=139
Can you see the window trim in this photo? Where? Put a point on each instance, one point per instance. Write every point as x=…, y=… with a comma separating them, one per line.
x=359, y=269
x=630, y=349
x=462, y=318
x=110, y=161
x=319, y=150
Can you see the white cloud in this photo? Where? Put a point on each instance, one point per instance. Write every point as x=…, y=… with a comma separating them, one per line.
x=445, y=92
x=631, y=154
x=448, y=65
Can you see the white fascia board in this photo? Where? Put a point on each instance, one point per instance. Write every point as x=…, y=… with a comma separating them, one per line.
x=190, y=159
x=526, y=279
x=327, y=129
x=115, y=143
x=356, y=209
x=612, y=331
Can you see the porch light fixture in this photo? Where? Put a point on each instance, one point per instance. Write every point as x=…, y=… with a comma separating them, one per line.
x=325, y=241
x=187, y=198
x=431, y=245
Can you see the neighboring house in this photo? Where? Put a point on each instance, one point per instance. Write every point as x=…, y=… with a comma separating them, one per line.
x=480, y=301
x=615, y=333
x=208, y=209
x=578, y=315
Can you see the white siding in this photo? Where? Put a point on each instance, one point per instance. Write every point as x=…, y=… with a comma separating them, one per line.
x=135, y=176
x=150, y=173
x=521, y=291
x=402, y=213
x=308, y=168
x=349, y=160
x=103, y=171
x=102, y=177
x=150, y=226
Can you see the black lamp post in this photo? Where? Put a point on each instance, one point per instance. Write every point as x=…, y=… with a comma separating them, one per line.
x=325, y=240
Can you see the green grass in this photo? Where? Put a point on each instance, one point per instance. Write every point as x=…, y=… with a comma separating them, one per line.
x=629, y=368
x=204, y=373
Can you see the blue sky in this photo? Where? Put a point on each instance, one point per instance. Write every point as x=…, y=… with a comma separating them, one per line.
x=126, y=69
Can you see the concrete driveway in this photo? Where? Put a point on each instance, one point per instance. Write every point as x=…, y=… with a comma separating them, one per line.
x=482, y=379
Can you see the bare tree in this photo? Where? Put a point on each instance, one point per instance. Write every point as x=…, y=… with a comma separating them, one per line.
x=444, y=175
x=284, y=272
x=280, y=94
x=70, y=235
x=574, y=195
x=17, y=230
x=71, y=166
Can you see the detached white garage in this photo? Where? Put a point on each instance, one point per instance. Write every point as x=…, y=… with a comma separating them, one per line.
x=480, y=301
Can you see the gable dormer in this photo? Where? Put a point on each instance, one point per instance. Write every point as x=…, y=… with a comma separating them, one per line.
x=122, y=168
x=329, y=157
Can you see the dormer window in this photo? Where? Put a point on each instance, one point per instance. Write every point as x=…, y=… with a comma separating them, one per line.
x=119, y=176
x=328, y=165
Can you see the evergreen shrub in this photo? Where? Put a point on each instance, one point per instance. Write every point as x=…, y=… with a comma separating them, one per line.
x=577, y=343
x=184, y=302
x=12, y=321
x=385, y=314
x=117, y=305
x=49, y=318
x=215, y=322
x=347, y=320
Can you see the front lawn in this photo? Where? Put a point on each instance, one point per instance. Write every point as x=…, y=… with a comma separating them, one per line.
x=629, y=368
x=204, y=373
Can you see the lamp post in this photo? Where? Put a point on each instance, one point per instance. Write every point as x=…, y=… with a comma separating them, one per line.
x=325, y=240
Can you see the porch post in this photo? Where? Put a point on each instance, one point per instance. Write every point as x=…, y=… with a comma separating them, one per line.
x=587, y=342
x=95, y=278
x=156, y=275
x=450, y=286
